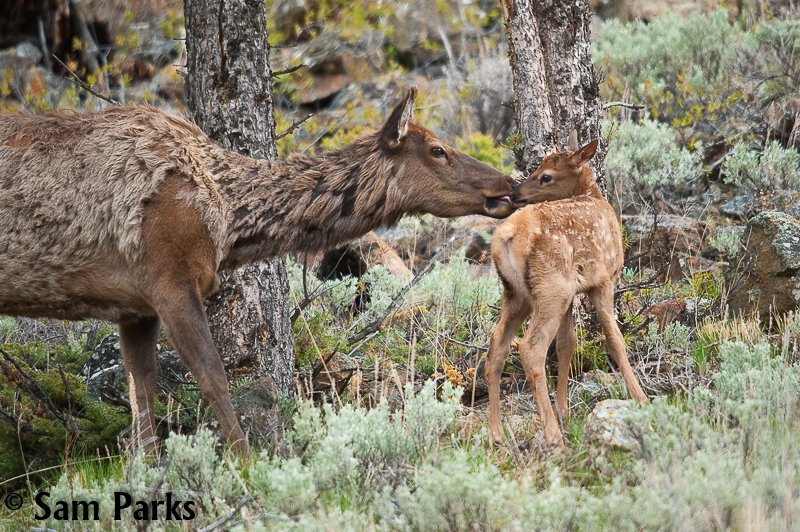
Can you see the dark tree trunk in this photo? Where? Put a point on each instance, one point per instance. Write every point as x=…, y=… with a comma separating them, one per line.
x=229, y=96
x=555, y=86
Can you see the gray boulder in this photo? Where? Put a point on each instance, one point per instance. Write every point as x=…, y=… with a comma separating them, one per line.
x=765, y=276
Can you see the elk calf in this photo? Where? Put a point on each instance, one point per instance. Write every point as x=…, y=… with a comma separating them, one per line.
x=545, y=254
x=127, y=215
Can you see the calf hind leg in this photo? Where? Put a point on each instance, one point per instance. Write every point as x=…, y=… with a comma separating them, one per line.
x=566, y=342
x=602, y=298
x=534, y=356
x=514, y=311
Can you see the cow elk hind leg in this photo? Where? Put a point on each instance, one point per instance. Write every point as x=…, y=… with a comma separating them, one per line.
x=137, y=338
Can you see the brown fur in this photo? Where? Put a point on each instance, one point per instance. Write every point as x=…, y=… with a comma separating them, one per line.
x=545, y=254
x=128, y=214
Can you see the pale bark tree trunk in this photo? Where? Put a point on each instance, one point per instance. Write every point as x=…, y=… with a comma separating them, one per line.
x=555, y=86
x=229, y=96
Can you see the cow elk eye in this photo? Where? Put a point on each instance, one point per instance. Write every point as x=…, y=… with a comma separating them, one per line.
x=546, y=178
x=438, y=152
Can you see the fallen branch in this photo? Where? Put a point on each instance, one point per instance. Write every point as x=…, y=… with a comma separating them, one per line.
x=289, y=70
x=295, y=125
x=76, y=80
x=626, y=105
x=376, y=324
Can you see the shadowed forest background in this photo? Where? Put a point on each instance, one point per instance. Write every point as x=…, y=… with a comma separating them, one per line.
x=386, y=423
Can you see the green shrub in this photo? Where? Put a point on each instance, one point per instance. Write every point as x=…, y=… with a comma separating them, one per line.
x=727, y=240
x=644, y=158
x=679, y=67
x=352, y=454
x=8, y=325
x=457, y=493
x=775, y=168
x=483, y=148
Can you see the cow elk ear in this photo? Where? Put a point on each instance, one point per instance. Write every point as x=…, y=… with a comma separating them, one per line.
x=572, y=143
x=583, y=155
x=396, y=126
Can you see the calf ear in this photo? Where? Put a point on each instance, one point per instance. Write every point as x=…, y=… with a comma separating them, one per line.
x=572, y=143
x=396, y=126
x=583, y=155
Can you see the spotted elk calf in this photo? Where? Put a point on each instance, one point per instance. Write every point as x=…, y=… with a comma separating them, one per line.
x=545, y=254
x=128, y=215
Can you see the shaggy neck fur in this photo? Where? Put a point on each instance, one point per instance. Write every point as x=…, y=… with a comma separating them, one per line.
x=306, y=204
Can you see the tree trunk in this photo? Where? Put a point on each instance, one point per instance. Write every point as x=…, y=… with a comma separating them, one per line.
x=555, y=86
x=230, y=98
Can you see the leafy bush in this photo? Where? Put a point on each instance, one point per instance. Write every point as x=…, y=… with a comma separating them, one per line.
x=771, y=59
x=483, y=148
x=353, y=454
x=53, y=414
x=679, y=67
x=458, y=493
x=8, y=325
x=775, y=168
x=727, y=240
x=645, y=159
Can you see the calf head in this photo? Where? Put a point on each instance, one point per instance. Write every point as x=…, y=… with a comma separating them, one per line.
x=560, y=175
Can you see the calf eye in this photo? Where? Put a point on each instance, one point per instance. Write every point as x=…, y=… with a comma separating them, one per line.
x=438, y=152
x=546, y=178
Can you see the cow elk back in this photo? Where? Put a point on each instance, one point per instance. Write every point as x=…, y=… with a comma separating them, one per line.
x=545, y=254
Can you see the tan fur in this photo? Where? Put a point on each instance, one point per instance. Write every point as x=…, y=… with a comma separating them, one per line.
x=128, y=215
x=545, y=254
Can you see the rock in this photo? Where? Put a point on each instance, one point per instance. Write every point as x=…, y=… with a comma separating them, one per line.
x=332, y=64
x=747, y=203
x=765, y=276
x=657, y=243
x=741, y=206
x=605, y=426
x=357, y=257
x=597, y=385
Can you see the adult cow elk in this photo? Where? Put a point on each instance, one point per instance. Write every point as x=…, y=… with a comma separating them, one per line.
x=128, y=214
x=568, y=242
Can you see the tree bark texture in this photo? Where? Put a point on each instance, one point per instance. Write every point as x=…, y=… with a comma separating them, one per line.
x=229, y=96
x=555, y=86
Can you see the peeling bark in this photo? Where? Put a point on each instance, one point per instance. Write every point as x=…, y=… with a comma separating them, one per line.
x=555, y=86
x=229, y=95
